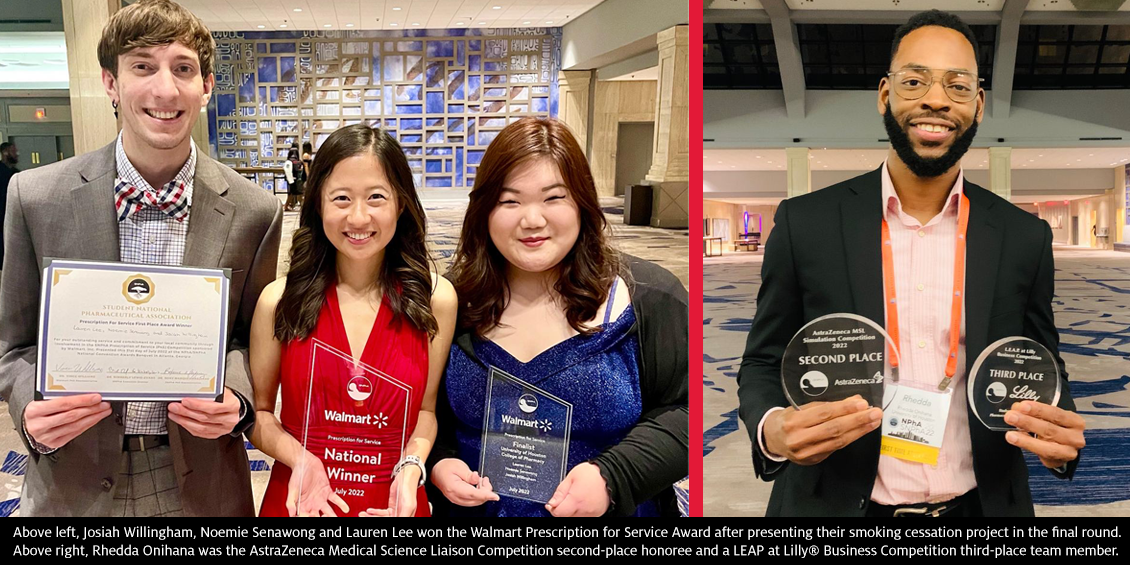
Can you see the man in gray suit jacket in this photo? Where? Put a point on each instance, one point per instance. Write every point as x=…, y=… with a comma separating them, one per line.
x=149, y=459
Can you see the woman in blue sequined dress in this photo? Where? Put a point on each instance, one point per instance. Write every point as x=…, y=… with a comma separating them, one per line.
x=549, y=302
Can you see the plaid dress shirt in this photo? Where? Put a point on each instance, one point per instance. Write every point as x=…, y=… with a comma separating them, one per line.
x=152, y=237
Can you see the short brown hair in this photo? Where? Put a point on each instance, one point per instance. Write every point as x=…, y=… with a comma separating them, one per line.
x=150, y=23
x=584, y=276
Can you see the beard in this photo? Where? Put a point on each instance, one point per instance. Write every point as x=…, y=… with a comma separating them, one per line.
x=926, y=167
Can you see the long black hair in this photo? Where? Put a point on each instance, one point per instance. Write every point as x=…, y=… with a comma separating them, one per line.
x=405, y=276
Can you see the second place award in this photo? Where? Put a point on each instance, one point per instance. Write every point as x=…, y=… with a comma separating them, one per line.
x=838, y=356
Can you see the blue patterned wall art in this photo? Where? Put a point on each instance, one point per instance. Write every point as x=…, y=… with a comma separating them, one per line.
x=444, y=94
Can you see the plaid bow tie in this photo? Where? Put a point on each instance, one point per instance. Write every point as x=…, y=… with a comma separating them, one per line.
x=171, y=199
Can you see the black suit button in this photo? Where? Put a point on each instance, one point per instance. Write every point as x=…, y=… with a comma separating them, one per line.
x=862, y=503
x=107, y=484
x=118, y=419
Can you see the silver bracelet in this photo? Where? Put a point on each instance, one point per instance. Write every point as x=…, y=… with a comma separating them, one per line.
x=411, y=460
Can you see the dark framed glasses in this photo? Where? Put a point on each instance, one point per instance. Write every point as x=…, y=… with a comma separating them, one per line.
x=913, y=84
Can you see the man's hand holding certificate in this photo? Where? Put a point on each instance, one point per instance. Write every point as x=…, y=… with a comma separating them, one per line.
x=53, y=423
x=205, y=418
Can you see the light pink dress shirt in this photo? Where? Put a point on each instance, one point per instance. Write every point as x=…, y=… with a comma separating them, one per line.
x=924, y=261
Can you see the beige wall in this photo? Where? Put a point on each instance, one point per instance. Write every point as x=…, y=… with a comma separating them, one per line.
x=93, y=117
x=1059, y=218
x=1103, y=208
x=716, y=209
x=614, y=102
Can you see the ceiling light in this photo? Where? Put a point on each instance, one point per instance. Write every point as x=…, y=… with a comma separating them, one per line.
x=393, y=25
x=283, y=25
x=415, y=23
x=328, y=25
x=525, y=23
x=496, y=7
x=396, y=9
x=261, y=27
x=459, y=23
x=348, y=25
x=298, y=9
x=549, y=22
x=482, y=23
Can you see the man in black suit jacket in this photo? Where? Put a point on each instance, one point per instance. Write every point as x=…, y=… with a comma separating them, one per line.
x=824, y=257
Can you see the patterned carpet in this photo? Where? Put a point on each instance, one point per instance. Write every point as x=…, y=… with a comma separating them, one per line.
x=1092, y=312
x=668, y=248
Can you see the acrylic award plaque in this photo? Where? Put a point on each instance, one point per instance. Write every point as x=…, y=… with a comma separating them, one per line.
x=356, y=421
x=838, y=356
x=1012, y=369
x=525, y=446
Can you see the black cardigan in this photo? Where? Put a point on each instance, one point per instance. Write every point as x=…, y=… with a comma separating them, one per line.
x=654, y=454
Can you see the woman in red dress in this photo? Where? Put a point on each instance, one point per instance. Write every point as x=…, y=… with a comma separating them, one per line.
x=357, y=335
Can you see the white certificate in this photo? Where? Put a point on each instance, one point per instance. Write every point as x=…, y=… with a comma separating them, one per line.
x=132, y=332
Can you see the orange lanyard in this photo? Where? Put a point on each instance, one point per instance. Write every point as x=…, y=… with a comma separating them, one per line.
x=957, y=297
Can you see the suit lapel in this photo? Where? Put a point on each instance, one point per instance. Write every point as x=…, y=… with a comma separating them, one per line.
x=210, y=217
x=983, y=250
x=93, y=204
x=982, y=259
x=860, y=218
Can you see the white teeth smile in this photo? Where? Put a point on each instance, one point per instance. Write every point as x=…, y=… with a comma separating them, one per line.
x=932, y=128
x=163, y=115
x=359, y=236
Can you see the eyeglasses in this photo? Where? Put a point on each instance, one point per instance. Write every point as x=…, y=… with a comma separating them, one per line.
x=913, y=84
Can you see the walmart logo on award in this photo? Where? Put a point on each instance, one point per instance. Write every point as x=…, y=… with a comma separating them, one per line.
x=528, y=403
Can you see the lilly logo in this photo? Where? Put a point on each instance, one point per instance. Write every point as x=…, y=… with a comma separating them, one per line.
x=359, y=388
x=528, y=403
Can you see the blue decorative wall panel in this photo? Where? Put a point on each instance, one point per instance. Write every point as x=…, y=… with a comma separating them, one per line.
x=444, y=94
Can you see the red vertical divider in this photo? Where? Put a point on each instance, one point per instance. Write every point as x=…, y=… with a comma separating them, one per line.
x=694, y=193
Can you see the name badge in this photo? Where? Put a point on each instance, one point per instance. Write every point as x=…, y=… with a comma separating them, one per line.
x=914, y=425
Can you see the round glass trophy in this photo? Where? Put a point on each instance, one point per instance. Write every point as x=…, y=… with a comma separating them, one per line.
x=838, y=356
x=1012, y=369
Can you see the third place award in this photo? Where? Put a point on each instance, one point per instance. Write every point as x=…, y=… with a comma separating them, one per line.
x=525, y=447
x=837, y=356
x=1011, y=370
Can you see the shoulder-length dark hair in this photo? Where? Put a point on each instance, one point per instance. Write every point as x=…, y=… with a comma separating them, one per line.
x=584, y=276
x=405, y=276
